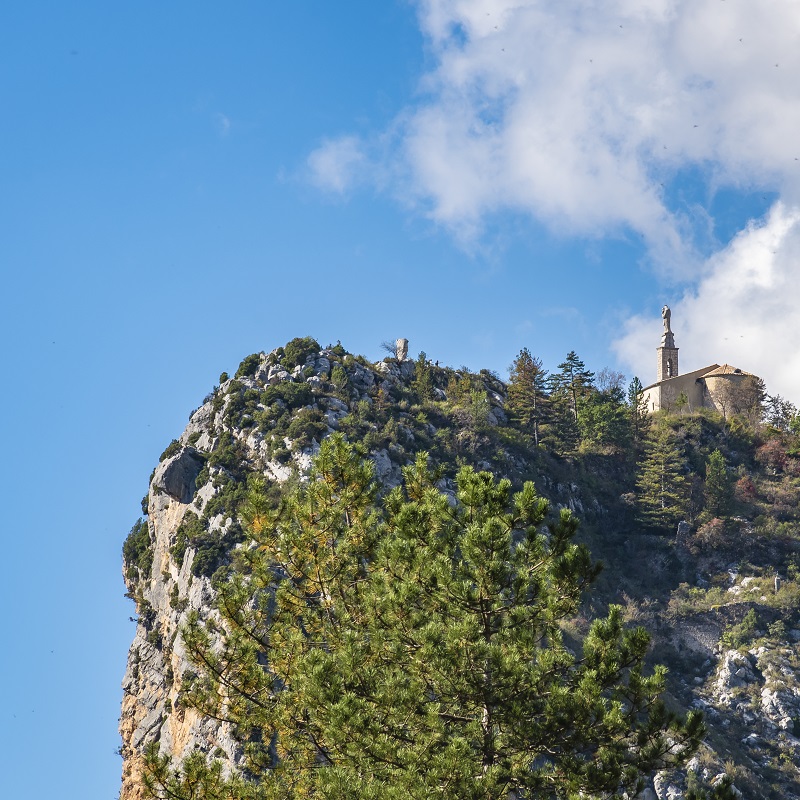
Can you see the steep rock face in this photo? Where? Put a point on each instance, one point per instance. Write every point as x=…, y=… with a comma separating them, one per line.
x=177, y=475
x=190, y=526
x=156, y=660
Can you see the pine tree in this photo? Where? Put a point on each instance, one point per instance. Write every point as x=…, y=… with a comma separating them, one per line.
x=604, y=420
x=661, y=483
x=719, y=487
x=637, y=411
x=340, y=381
x=417, y=653
x=572, y=383
x=423, y=378
x=527, y=398
x=569, y=389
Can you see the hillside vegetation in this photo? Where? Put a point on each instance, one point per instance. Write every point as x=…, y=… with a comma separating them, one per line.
x=693, y=516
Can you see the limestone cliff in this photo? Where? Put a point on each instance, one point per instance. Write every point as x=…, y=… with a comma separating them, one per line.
x=690, y=590
x=188, y=527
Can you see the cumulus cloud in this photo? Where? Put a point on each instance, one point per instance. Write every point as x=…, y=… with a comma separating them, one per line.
x=580, y=112
x=334, y=165
x=745, y=311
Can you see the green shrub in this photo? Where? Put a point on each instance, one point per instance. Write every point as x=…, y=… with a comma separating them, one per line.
x=306, y=425
x=229, y=454
x=190, y=529
x=339, y=379
x=294, y=395
x=212, y=548
x=173, y=448
x=137, y=551
x=281, y=454
x=298, y=350
x=227, y=500
x=177, y=602
x=737, y=636
x=202, y=477
x=248, y=366
x=208, y=555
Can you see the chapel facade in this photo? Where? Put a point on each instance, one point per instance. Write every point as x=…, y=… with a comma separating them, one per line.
x=721, y=387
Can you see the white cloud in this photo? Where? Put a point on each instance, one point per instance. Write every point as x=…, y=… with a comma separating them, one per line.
x=577, y=112
x=334, y=165
x=746, y=311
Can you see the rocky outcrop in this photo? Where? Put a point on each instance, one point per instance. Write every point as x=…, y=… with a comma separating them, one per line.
x=401, y=349
x=176, y=475
x=248, y=424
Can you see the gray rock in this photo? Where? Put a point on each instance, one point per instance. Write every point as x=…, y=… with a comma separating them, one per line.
x=176, y=475
x=407, y=369
x=401, y=349
x=362, y=378
x=735, y=670
x=277, y=374
x=200, y=420
x=387, y=473
x=666, y=787
x=146, y=732
x=500, y=416
x=335, y=404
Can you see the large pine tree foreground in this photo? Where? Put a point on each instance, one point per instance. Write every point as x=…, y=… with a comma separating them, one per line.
x=412, y=649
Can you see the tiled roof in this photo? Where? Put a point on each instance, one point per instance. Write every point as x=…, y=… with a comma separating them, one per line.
x=725, y=369
x=695, y=373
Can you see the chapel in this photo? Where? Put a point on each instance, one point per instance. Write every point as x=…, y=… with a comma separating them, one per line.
x=722, y=387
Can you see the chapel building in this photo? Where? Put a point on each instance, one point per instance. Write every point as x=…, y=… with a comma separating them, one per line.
x=719, y=387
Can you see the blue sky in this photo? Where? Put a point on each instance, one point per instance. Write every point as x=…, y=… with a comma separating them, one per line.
x=186, y=183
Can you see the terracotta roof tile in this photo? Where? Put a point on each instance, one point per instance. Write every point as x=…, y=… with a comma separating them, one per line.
x=725, y=369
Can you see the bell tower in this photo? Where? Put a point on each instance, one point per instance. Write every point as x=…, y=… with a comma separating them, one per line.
x=667, y=352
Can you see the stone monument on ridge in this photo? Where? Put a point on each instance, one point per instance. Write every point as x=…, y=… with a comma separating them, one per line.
x=401, y=349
